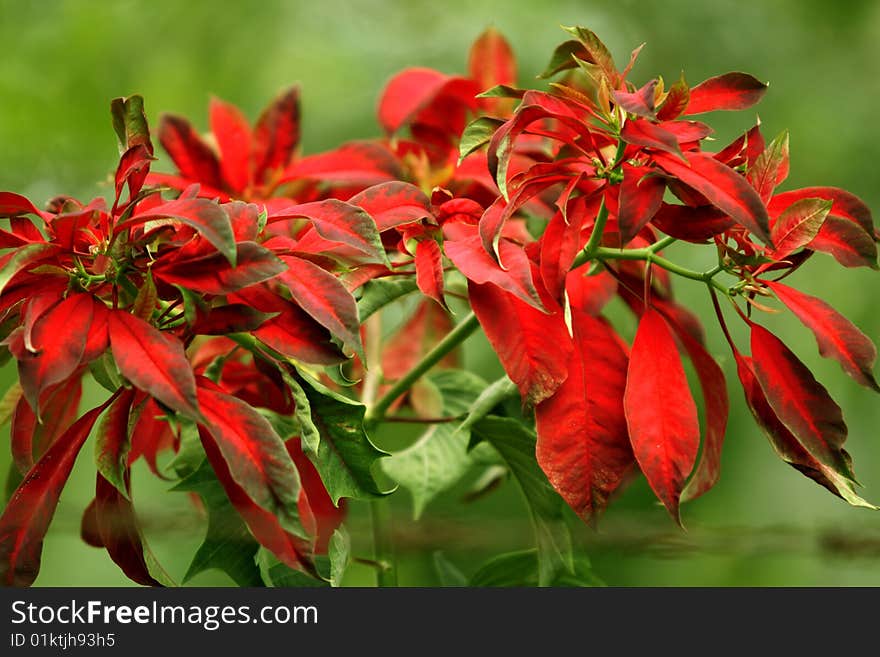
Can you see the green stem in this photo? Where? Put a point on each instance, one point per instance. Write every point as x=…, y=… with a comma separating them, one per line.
x=455, y=337
x=596, y=236
x=383, y=545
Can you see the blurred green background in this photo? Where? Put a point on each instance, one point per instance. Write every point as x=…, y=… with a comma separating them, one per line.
x=764, y=524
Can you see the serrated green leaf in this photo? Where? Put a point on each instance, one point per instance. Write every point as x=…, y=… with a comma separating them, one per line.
x=447, y=572
x=477, y=134
x=516, y=444
x=274, y=573
x=439, y=457
x=380, y=292
x=334, y=439
x=228, y=545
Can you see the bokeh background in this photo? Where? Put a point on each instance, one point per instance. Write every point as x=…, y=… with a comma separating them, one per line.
x=764, y=524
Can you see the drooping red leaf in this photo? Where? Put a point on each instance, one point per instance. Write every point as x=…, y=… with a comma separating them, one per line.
x=358, y=163
x=393, y=204
x=583, y=444
x=153, y=362
x=798, y=225
x=660, y=411
x=59, y=352
x=233, y=134
x=112, y=442
x=590, y=294
x=650, y=135
x=469, y=256
x=12, y=205
x=150, y=434
x=837, y=337
x=847, y=242
x=731, y=91
x=534, y=348
x=211, y=273
x=134, y=165
x=340, y=222
x=687, y=131
x=801, y=402
x=560, y=244
x=17, y=261
x=324, y=298
x=845, y=204
x=30, y=509
x=88, y=529
x=314, y=497
x=692, y=224
x=99, y=338
x=195, y=160
x=639, y=102
x=277, y=134
x=723, y=187
x=640, y=197
x=230, y=318
x=429, y=270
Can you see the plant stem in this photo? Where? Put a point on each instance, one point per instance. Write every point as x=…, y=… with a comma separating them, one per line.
x=455, y=337
x=595, y=237
x=383, y=546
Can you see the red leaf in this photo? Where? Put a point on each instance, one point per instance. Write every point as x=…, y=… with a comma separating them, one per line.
x=723, y=187
x=112, y=442
x=731, y=91
x=692, y=224
x=99, y=338
x=837, y=337
x=327, y=517
x=393, y=204
x=233, y=134
x=675, y=102
x=583, y=445
x=406, y=93
x=846, y=205
x=803, y=405
x=358, y=163
x=340, y=222
x=429, y=270
x=534, y=348
x=660, y=411
x=491, y=61
x=211, y=273
x=560, y=244
x=850, y=245
x=277, y=134
x=153, y=361
x=478, y=266
x=230, y=318
x=30, y=509
x=640, y=102
x=590, y=294
x=324, y=298
x=798, y=225
x=195, y=160
x=770, y=168
x=59, y=352
x=30, y=439
x=640, y=198
x=17, y=261
x=12, y=204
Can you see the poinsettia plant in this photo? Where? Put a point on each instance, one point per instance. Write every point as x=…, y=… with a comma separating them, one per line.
x=234, y=309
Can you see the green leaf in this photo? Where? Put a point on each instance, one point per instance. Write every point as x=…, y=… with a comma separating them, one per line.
x=447, y=572
x=22, y=258
x=334, y=439
x=286, y=426
x=228, y=545
x=190, y=455
x=516, y=444
x=145, y=302
x=382, y=291
x=477, y=134
x=439, y=458
x=105, y=372
x=502, y=91
x=496, y=392
x=130, y=123
x=562, y=58
x=521, y=569
x=9, y=402
x=340, y=555
x=274, y=573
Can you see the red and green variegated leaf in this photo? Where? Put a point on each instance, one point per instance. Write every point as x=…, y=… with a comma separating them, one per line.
x=640, y=197
x=716, y=407
x=30, y=509
x=472, y=260
x=770, y=168
x=113, y=442
x=801, y=402
x=194, y=159
x=150, y=434
x=358, y=163
x=277, y=133
x=254, y=454
x=798, y=225
x=206, y=217
x=847, y=242
x=846, y=205
x=723, y=187
x=675, y=102
x=340, y=222
x=692, y=224
x=731, y=91
x=837, y=337
x=233, y=135
x=12, y=205
x=266, y=527
x=324, y=298
x=230, y=318
x=786, y=444
x=120, y=534
x=583, y=444
x=491, y=63
x=153, y=362
x=563, y=58
x=639, y=102
x=393, y=204
x=211, y=273
x=596, y=53
x=134, y=165
x=315, y=501
x=534, y=348
x=30, y=439
x=429, y=270
x=59, y=352
x=21, y=259
x=130, y=123
x=660, y=412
